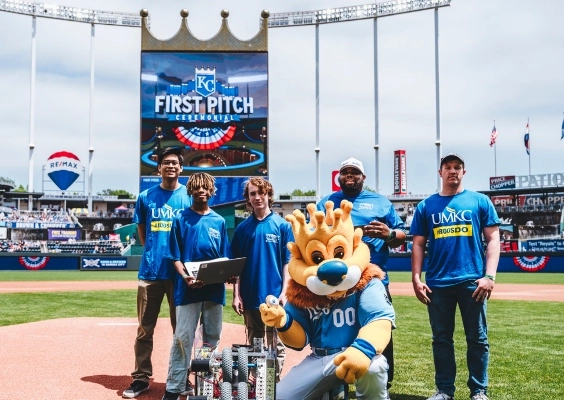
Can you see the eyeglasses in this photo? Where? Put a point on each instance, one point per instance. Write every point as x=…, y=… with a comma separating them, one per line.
x=170, y=162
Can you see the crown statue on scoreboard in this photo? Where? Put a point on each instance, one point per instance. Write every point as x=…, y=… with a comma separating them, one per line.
x=206, y=70
x=184, y=39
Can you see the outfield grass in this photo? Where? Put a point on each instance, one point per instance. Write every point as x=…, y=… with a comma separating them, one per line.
x=526, y=337
x=12, y=276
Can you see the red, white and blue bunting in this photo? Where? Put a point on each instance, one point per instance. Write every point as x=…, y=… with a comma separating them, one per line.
x=34, y=263
x=531, y=263
x=204, y=138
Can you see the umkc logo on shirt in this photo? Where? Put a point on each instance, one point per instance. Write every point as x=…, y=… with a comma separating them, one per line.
x=162, y=218
x=459, y=223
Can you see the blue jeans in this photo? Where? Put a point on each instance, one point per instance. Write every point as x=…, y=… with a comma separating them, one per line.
x=187, y=317
x=442, y=310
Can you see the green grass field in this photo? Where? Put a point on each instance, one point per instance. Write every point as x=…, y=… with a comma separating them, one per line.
x=526, y=337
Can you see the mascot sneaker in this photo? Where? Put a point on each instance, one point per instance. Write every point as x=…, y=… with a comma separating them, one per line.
x=480, y=396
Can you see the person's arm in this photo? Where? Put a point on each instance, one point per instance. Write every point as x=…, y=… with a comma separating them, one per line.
x=417, y=259
x=141, y=233
x=237, y=303
x=487, y=283
x=285, y=279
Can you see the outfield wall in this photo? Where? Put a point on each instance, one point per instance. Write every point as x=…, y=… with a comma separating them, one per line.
x=508, y=262
x=56, y=261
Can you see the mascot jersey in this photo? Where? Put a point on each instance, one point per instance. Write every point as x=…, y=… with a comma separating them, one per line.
x=156, y=208
x=369, y=206
x=454, y=222
x=264, y=243
x=196, y=237
x=338, y=325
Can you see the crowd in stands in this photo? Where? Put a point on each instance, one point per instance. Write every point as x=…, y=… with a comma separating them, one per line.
x=73, y=247
x=35, y=216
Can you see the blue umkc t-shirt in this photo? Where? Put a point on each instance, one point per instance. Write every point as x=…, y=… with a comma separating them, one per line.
x=369, y=206
x=156, y=208
x=453, y=225
x=264, y=243
x=197, y=237
x=338, y=325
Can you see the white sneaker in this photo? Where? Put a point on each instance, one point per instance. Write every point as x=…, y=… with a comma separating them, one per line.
x=440, y=396
x=480, y=396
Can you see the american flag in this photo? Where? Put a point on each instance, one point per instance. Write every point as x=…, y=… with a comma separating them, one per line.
x=493, y=138
x=527, y=147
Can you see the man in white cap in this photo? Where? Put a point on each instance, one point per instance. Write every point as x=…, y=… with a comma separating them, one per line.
x=375, y=214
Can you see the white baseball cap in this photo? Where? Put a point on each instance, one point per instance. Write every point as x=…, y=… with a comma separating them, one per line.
x=354, y=163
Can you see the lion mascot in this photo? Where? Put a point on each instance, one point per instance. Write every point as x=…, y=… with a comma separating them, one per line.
x=337, y=304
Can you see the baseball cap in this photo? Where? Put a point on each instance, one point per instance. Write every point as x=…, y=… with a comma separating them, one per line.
x=354, y=163
x=450, y=157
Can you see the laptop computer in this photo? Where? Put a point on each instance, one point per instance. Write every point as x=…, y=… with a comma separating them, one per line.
x=215, y=271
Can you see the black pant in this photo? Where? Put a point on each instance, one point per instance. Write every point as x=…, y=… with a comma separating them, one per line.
x=389, y=351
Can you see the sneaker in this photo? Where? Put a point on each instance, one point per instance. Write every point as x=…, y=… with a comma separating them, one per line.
x=137, y=387
x=440, y=396
x=189, y=391
x=170, y=396
x=480, y=396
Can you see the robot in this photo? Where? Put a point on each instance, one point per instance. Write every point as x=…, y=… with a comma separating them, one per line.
x=239, y=373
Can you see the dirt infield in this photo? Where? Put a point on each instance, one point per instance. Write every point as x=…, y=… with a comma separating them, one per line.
x=92, y=358
x=502, y=291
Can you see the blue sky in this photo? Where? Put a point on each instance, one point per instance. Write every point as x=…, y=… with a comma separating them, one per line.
x=499, y=60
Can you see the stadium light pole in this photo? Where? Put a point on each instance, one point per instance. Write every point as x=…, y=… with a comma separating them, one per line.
x=91, y=119
x=353, y=13
x=75, y=14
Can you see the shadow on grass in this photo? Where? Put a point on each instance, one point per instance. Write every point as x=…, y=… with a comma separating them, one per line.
x=401, y=396
x=119, y=383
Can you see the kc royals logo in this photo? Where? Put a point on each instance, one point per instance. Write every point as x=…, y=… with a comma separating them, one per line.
x=531, y=264
x=205, y=81
x=34, y=263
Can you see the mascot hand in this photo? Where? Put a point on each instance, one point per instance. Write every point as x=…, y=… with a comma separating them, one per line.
x=272, y=313
x=351, y=364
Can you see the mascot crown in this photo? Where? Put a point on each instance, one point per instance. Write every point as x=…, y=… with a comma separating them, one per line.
x=322, y=226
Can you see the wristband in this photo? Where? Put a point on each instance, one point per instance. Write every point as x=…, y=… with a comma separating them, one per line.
x=184, y=276
x=364, y=346
x=288, y=323
x=490, y=277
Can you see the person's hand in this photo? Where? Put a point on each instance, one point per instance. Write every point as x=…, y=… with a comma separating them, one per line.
x=232, y=280
x=237, y=305
x=484, y=289
x=195, y=284
x=376, y=229
x=421, y=290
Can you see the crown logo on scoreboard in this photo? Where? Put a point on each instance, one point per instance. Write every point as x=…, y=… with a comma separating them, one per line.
x=205, y=81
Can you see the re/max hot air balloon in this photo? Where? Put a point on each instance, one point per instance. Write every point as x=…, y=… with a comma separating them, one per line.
x=63, y=168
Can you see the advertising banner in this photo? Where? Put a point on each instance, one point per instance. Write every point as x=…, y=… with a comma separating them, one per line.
x=98, y=263
x=213, y=105
x=35, y=225
x=400, y=173
x=63, y=234
x=502, y=182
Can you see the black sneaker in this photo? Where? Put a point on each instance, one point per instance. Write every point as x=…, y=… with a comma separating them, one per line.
x=136, y=388
x=171, y=396
x=189, y=391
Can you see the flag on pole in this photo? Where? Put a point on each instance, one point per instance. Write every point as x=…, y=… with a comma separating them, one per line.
x=493, y=138
x=527, y=140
